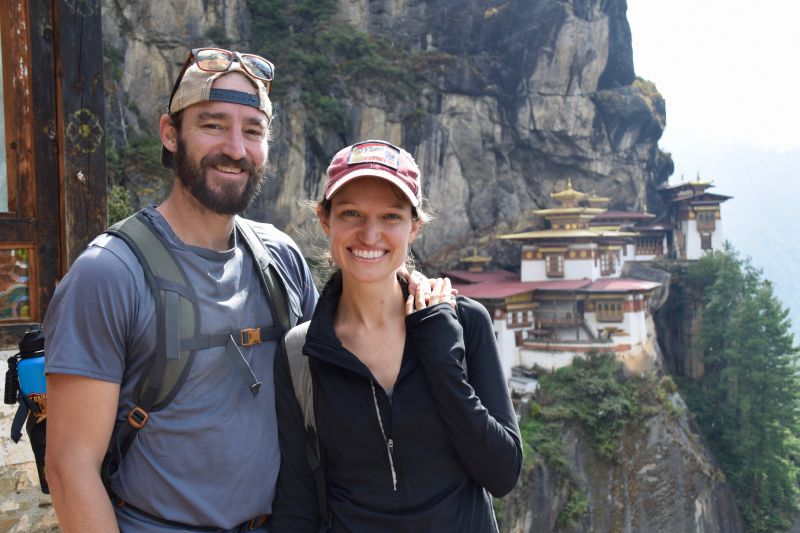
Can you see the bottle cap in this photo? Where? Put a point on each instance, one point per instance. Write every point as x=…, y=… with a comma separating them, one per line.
x=32, y=343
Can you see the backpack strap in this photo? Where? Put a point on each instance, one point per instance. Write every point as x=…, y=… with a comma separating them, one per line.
x=178, y=326
x=177, y=316
x=303, y=386
x=270, y=276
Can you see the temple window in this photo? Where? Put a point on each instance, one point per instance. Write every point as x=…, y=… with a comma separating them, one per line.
x=705, y=241
x=555, y=265
x=706, y=220
x=609, y=311
x=649, y=245
x=607, y=263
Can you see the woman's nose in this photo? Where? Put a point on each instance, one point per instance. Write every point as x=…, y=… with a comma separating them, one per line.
x=370, y=231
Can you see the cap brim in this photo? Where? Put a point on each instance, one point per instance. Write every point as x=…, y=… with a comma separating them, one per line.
x=374, y=173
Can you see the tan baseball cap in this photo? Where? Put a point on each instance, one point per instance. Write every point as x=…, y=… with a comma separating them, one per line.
x=196, y=86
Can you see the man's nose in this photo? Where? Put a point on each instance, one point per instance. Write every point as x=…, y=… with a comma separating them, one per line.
x=233, y=145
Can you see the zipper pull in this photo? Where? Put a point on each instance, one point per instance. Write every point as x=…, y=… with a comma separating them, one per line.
x=390, y=443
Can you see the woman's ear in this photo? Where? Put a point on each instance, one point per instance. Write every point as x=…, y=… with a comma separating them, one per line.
x=415, y=227
x=324, y=220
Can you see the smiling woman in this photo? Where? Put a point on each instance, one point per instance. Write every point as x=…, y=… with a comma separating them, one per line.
x=408, y=441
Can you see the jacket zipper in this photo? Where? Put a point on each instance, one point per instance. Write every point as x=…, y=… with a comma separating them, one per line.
x=389, y=442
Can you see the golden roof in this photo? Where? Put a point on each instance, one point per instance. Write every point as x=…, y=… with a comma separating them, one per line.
x=475, y=258
x=563, y=211
x=569, y=197
x=601, y=200
x=568, y=234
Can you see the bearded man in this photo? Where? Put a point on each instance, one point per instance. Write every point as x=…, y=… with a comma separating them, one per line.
x=208, y=460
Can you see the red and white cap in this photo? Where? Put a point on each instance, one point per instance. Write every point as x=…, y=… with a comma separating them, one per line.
x=377, y=159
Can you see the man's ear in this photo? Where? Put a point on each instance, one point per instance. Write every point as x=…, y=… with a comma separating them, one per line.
x=324, y=220
x=168, y=132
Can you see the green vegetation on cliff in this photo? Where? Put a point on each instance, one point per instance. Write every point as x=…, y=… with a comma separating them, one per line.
x=594, y=393
x=595, y=397
x=746, y=403
x=323, y=57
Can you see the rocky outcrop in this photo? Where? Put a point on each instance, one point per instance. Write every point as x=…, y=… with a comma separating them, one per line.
x=665, y=481
x=538, y=92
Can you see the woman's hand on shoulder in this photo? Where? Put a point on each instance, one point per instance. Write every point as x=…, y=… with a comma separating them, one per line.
x=438, y=290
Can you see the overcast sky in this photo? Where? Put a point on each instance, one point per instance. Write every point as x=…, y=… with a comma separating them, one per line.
x=728, y=69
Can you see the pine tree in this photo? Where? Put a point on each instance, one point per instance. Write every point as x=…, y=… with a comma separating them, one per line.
x=747, y=401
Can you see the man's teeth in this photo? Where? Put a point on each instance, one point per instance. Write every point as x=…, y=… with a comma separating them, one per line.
x=233, y=170
x=368, y=254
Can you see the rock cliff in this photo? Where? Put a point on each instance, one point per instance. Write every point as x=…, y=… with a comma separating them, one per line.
x=499, y=102
x=662, y=478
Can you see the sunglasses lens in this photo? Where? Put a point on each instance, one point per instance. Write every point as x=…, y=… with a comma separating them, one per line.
x=258, y=66
x=213, y=60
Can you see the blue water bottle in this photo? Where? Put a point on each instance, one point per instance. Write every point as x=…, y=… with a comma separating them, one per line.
x=30, y=371
x=30, y=391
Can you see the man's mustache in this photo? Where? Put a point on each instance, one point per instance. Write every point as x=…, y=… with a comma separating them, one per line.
x=243, y=164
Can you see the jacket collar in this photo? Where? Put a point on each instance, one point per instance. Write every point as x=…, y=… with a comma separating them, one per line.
x=321, y=340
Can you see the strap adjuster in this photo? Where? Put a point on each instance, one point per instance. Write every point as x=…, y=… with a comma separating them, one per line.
x=250, y=336
x=257, y=521
x=138, y=417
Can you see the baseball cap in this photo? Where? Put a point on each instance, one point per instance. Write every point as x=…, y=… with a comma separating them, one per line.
x=378, y=159
x=196, y=86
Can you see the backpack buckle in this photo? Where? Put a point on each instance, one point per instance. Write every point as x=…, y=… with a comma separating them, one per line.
x=137, y=417
x=250, y=336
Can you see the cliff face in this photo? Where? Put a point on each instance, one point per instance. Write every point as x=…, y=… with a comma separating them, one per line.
x=505, y=103
x=664, y=480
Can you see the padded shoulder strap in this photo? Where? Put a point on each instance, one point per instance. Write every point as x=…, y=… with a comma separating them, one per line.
x=177, y=315
x=304, y=392
x=301, y=374
x=271, y=279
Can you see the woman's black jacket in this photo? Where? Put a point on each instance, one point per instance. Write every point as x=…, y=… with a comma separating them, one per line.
x=445, y=439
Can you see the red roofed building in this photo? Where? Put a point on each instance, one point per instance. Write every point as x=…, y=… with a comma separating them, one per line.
x=570, y=297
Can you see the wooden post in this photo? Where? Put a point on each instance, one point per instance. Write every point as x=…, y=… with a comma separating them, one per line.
x=79, y=69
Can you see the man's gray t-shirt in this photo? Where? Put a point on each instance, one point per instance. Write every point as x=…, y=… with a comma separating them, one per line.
x=211, y=456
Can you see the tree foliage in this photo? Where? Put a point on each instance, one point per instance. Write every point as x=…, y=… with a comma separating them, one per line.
x=322, y=57
x=746, y=403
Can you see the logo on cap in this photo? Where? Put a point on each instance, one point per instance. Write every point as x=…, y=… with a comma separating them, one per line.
x=379, y=153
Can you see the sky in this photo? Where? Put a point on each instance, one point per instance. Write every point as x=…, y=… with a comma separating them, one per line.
x=729, y=71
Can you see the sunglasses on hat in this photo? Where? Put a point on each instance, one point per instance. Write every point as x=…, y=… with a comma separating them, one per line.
x=220, y=60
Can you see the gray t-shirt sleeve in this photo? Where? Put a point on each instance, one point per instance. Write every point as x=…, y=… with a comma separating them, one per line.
x=92, y=314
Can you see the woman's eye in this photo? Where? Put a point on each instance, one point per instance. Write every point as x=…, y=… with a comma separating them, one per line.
x=350, y=213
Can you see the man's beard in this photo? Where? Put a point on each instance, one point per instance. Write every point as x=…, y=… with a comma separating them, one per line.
x=227, y=200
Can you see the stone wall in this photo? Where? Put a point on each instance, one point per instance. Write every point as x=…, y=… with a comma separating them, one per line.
x=23, y=507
